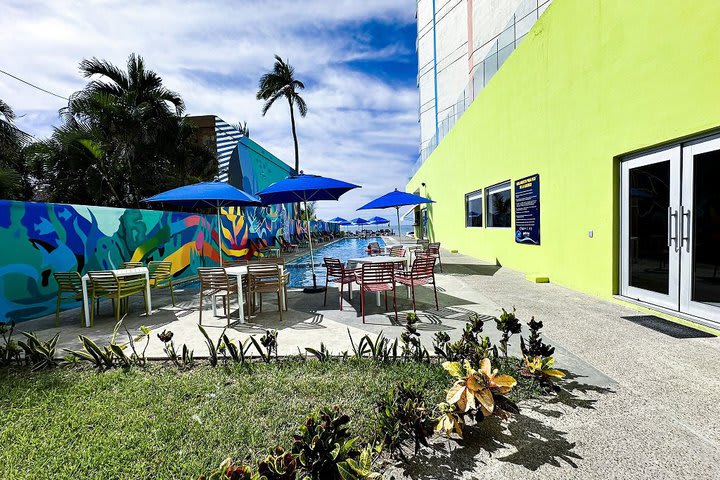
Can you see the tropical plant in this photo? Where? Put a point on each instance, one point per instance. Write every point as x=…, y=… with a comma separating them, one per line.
x=541, y=369
x=509, y=325
x=243, y=128
x=279, y=83
x=15, y=180
x=403, y=417
x=380, y=349
x=9, y=348
x=122, y=138
x=322, y=443
x=535, y=346
x=361, y=468
x=412, y=347
x=229, y=470
x=479, y=393
x=471, y=346
x=166, y=336
x=101, y=358
x=278, y=465
x=213, y=348
x=450, y=420
x=238, y=351
x=40, y=354
x=323, y=354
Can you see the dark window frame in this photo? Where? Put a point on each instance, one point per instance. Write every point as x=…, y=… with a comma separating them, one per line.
x=475, y=194
x=491, y=190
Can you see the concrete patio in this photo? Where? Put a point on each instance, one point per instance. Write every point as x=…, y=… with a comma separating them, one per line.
x=642, y=399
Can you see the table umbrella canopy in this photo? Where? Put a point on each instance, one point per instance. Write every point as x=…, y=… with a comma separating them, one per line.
x=338, y=220
x=358, y=221
x=378, y=221
x=396, y=199
x=305, y=188
x=208, y=195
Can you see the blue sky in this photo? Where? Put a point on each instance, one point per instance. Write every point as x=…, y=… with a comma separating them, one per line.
x=357, y=59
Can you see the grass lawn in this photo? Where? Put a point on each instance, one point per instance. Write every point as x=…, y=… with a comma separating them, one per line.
x=158, y=422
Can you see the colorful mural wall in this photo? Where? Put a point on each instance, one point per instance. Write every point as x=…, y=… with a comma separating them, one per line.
x=41, y=238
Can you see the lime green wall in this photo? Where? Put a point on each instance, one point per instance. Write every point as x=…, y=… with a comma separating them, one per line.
x=593, y=80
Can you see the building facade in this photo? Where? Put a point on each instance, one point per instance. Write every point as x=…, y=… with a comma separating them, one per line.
x=589, y=157
x=461, y=44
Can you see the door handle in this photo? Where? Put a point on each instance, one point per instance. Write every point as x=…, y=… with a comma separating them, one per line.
x=672, y=223
x=684, y=225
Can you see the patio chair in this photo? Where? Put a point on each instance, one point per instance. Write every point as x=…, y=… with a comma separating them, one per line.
x=264, y=278
x=69, y=289
x=286, y=272
x=131, y=265
x=424, y=243
x=105, y=284
x=434, y=250
x=376, y=277
x=214, y=281
x=160, y=274
x=238, y=262
x=373, y=248
x=422, y=272
x=337, y=273
x=399, y=252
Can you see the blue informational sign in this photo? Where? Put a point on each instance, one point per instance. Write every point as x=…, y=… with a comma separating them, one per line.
x=527, y=210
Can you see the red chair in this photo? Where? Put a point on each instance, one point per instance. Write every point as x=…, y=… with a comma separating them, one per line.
x=337, y=273
x=421, y=273
x=373, y=248
x=377, y=277
x=434, y=250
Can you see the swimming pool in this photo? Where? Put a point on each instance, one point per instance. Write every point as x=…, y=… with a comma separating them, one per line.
x=343, y=249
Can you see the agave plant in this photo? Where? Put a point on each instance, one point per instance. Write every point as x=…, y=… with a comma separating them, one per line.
x=480, y=390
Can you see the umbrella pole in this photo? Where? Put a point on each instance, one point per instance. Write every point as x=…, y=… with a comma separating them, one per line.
x=397, y=210
x=219, y=236
x=314, y=288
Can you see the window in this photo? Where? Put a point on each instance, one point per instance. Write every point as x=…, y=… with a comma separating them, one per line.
x=473, y=209
x=498, y=207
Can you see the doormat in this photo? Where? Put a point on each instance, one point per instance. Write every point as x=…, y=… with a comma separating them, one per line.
x=667, y=327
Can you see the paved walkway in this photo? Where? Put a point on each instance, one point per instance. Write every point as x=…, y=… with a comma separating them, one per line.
x=643, y=400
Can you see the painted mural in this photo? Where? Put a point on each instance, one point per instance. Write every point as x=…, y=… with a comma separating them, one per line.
x=41, y=238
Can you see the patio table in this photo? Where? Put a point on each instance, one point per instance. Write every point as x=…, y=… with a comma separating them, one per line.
x=378, y=259
x=122, y=272
x=238, y=272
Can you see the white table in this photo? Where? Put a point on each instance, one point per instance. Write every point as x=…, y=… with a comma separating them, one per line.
x=408, y=247
x=122, y=272
x=378, y=259
x=238, y=272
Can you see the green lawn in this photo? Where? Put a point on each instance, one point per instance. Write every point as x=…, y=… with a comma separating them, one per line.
x=161, y=423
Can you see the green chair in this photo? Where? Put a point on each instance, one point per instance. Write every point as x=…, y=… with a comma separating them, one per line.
x=161, y=277
x=131, y=265
x=105, y=284
x=69, y=289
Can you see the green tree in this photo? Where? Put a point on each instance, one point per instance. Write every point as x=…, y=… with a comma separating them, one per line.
x=279, y=83
x=15, y=181
x=123, y=138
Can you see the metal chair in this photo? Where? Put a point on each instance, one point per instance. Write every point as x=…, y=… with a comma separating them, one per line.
x=161, y=277
x=69, y=289
x=264, y=278
x=131, y=265
x=422, y=272
x=214, y=281
x=373, y=248
x=377, y=277
x=105, y=284
x=337, y=273
x=434, y=250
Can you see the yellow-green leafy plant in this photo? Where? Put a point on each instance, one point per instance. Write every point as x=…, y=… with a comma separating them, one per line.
x=450, y=420
x=361, y=468
x=542, y=369
x=478, y=393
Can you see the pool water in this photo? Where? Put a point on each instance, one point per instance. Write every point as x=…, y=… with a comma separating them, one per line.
x=343, y=249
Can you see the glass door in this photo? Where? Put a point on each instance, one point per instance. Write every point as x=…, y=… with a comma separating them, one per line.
x=650, y=250
x=700, y=230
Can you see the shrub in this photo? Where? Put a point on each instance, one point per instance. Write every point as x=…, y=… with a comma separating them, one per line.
x=9, y=349
x=412, y=348
x=541, y=369
x=322, y=443
x=535, y=346
x=509, y=325
x=402, y=418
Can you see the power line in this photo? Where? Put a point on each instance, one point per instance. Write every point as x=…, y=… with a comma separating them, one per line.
x=33, y=85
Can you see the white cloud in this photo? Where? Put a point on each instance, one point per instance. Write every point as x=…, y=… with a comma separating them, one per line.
x=359, y=127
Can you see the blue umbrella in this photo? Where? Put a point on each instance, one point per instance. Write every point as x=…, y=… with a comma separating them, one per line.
x=305, y=188
x=338, y=220
x=378, y=221
x=207, y=195
x=358, y=221
x=396, y=199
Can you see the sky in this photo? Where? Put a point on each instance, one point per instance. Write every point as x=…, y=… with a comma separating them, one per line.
x=356, y=58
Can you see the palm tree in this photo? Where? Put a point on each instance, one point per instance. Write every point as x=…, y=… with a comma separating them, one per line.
x=15, y=181
x=281, y=82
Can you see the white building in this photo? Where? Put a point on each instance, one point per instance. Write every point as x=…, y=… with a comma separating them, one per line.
x=460, y=45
